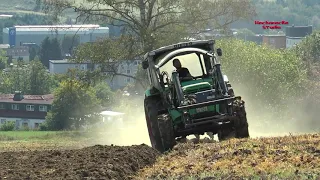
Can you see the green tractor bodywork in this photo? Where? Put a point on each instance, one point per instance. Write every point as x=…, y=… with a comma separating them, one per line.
x=177, y=107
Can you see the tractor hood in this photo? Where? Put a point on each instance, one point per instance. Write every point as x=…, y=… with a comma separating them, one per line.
x=193, y=88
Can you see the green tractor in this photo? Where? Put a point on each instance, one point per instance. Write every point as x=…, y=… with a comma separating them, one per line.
x=176, y=107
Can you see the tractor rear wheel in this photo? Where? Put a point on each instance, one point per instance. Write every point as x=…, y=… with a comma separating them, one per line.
x=160, y=127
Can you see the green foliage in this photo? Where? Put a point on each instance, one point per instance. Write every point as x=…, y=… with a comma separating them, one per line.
x=32, y=53
x=8, y=126
x=74, y=105
x=309, y=51
x=3, y=59
x=31, y=79
x=50, y=50
x=40, y=80
x=270, y=77
x=104, y=94
x=69, y=42
x=309, y=48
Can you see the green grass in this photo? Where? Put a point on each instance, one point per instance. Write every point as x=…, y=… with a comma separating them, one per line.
x=39, y=135
x=43, y=140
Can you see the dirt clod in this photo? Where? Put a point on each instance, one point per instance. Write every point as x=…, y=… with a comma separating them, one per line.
x=96, y=162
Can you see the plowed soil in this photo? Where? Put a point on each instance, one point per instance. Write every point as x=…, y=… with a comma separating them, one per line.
x=96, y=162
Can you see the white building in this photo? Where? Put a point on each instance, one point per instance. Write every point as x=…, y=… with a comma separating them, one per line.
x=295, y=34
x=24, y=110
x=18, y=35
x=126, y=67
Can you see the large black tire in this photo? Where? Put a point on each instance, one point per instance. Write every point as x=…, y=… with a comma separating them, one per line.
x=160, y=127
x=167, y=132
x=241, y=125
x=226, y=134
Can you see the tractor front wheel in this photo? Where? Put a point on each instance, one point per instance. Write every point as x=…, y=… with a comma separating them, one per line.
x=241, y=124
x=240, y=128
x=160, y=127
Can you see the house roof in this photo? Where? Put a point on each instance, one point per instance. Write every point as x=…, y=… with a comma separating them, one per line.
x=28, y=99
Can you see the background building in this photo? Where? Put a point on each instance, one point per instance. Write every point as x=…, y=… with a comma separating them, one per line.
x=18, y=35
x=275, y=41
x=126, y=67
x=295, y=34
x=25, y=110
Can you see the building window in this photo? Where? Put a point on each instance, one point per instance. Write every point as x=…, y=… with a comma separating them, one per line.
x=135, y=63
x=3, y=121
x=128, y=71
x=2, y=106
x=15, y=107
x=128, y=80
x=30, y=107
x=43, y=108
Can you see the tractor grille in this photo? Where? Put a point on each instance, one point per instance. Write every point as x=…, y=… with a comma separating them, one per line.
x=197, y=90
x=204, y=114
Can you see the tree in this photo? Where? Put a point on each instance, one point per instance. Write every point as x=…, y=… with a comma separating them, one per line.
x=32, y=53
x=31, y=79
x=40, y=80
x=37, y=6
x=45, y=51
x=74, y=105
x=50, y=49
x=55, y=49
x=68, y=43
x=104, y=94
x=3, y=59
x=152, y=20
x=309, y=51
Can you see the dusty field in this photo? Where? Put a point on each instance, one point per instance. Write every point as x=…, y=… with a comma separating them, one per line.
x=96, y=162
x=290, y=157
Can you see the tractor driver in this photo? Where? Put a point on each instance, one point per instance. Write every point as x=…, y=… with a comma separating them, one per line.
x=183, y=72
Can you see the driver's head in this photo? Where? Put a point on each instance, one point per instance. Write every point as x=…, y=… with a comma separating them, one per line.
x=176, y=63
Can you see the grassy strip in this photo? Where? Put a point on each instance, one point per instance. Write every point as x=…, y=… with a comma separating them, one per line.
x=289, y=157
x=44, y=140
x=41, y=135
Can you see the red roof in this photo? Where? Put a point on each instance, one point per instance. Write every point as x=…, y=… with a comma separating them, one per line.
x=28, y=99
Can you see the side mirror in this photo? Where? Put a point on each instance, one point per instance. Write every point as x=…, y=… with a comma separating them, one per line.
x=145, y=64
x=219, y=52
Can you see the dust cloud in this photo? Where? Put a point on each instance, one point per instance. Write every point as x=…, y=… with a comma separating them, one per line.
x=130, y=130
x=299, y=117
